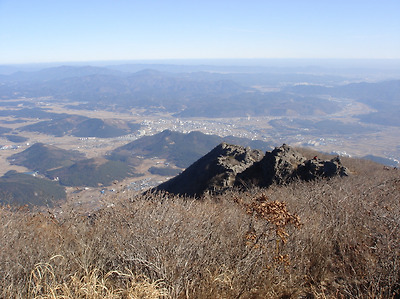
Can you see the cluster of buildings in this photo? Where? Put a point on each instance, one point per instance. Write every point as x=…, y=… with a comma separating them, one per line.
x=9, y=147
x=144, y=184
x=221, y=127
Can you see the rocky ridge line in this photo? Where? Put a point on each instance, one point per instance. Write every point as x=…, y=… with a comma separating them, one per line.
x=228, y=165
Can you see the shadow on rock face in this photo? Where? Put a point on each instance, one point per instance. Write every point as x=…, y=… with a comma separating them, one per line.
x=231, y=165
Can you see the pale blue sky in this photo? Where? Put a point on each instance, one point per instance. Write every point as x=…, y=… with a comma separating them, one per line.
x=84, y=30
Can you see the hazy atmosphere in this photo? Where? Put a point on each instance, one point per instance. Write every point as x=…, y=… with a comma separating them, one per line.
x=59, y=31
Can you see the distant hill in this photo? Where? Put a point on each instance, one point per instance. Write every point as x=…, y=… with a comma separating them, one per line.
x=25, y=189
x=61, y=126
x=178, y=148
x=43, y=157
x=92, y=172
x=16, y=138
x=34, y=112
x=70, y=167
x=81, y=126
x=95, y=127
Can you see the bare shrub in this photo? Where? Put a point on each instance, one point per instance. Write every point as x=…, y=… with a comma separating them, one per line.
x=321, y=239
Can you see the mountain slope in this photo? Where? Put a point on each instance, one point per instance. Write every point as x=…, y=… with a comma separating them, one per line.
x=92, y=172
x=70, y=167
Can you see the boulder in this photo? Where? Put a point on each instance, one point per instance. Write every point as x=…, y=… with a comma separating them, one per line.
x=312, y=169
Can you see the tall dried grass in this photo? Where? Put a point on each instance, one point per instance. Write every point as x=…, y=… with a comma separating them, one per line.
x=323, y=239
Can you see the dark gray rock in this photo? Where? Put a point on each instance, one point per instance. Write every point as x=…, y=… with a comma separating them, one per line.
x=216, y=171
x=284, y=164
x=278, y=166
x=315, y=168
x=231, y=165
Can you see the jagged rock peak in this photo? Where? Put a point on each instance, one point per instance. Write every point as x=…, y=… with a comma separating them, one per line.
x=280, y=165
x=311, y=169
x=237, y=158
x=230, y=165
x=284, y=164
x=216, y=171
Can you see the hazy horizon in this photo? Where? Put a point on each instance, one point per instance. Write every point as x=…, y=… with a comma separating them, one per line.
x=389, y=64
x=94, y=31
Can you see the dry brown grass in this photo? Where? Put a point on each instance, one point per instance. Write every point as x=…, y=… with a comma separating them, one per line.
x=323, y=239
x=95, y=284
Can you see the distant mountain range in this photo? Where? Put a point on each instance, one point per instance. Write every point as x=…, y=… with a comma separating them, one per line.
x=58, y=73
x=382, y=96
x=203, y=93
x=184, y=94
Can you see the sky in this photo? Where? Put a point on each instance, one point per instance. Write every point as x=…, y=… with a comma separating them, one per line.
x=35, y=31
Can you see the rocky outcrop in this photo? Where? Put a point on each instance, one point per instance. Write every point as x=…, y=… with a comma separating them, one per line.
x=216, y=171
x=284, y=164
x=231, y=165
x=315, y=168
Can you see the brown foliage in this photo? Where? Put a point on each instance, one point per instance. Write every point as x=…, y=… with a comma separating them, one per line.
x=236, y=245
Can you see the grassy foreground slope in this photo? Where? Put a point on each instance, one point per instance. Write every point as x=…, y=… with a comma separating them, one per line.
x=336, y=238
